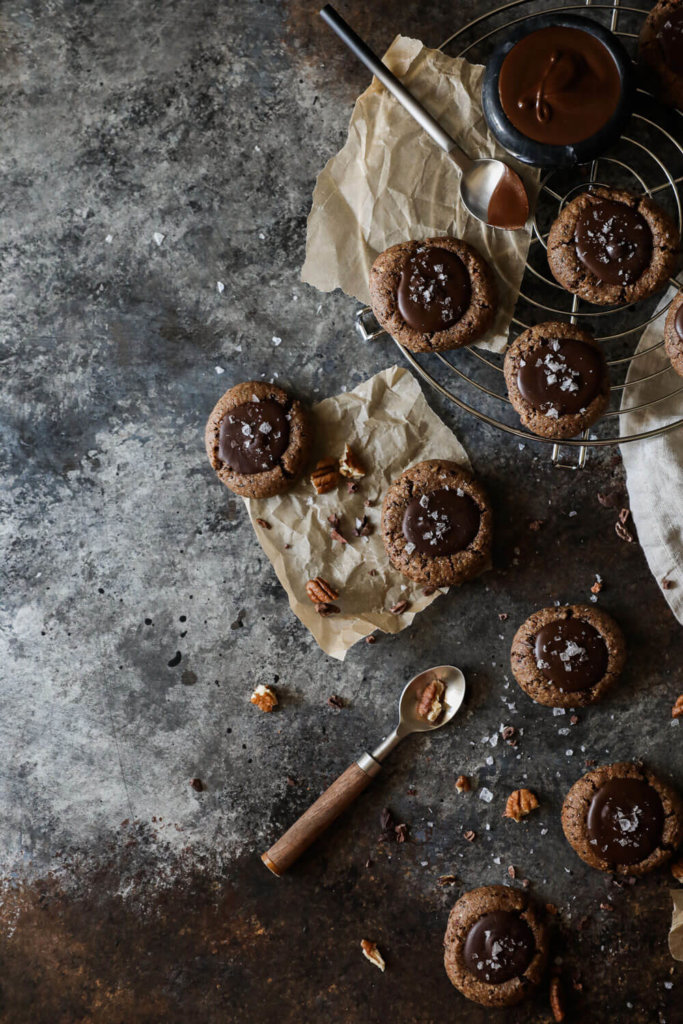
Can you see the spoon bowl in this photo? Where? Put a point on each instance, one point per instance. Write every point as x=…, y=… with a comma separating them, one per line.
x=452, y=698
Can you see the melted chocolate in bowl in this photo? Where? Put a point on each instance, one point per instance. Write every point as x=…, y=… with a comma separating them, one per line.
x=625, y=821
x=499, y=946
x=253, y=436
x=613, y=241
x=441, y=523
x=678, y=322
x=562, y=378
x=434, y=290
x=571, y=654
x=670, y=39
x=559, y=85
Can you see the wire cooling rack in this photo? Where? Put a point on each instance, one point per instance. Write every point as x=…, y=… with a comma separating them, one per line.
x=648, y=158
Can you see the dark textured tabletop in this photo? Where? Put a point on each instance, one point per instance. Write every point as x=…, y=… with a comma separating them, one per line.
x=151, y=150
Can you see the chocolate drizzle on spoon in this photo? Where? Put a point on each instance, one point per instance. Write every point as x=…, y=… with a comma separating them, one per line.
x=499, y=946
x=613, y=241
x=434, y=290
x=625, y=821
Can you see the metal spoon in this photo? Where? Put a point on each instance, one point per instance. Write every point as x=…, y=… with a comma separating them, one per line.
x=480, y=178
x=353, y=781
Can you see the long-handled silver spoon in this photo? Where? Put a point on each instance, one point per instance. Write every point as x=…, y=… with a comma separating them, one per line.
x=353, y=781
x=491, y=191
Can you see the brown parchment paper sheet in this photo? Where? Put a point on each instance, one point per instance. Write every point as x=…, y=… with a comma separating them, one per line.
x=389, y=425
x=390, y=182
x=676, y=933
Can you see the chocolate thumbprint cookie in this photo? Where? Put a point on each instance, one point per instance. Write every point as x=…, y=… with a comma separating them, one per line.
x=557, y=379
x=258, y=439
x=496, y=945
x=433, y=295
x=567, y=657
x=436, y=524
x=623, y=818
x=612, y=247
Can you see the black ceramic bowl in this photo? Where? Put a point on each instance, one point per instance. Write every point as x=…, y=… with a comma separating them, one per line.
x=543, y=154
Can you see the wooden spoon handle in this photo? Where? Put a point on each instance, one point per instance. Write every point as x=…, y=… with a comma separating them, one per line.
x=319, y=815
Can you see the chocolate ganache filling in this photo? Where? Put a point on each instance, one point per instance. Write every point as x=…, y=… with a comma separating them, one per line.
x=499, y=946
x=571, y=654
x=613, y=241
x=434, y=290
x=625, y=821
x=253, y=436
x=670, y=39
x=559, y=85
x=678, y=322
x=562, y=378
x=441, y=523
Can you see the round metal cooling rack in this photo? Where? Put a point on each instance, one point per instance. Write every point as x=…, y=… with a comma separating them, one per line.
x=647, y=157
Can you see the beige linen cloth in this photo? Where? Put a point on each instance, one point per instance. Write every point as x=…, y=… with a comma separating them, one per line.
x=676, y=931
x=389, y=426
x=390, y=182
x=654, y=466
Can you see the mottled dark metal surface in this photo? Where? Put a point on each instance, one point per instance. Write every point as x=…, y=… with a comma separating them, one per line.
x=127, y=895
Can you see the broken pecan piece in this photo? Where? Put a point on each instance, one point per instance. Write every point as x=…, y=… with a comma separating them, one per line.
x=264, y=697
x=520, y=803
x=463, y=784
x=320, y=591
x=556, y=1000
x=430, y=706
x=324, y=608
x=350, y=465
x=401, y=607
x=325, y=476
x=621, y=527
x=469, y=835
x=677, y=709
x=371, y=953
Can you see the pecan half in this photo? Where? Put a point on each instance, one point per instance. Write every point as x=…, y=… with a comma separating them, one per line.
x=264, y=698
x=325, y=476
x=520, y=803
x=463, y=784
x=320, y=591
x=401, y=607
x=677, y=709
x=556, y=1000
x=350, y=465
x=371, y=953
x=430, y=706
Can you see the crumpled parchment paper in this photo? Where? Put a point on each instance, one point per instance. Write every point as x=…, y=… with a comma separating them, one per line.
x=676, y=932
x=390, y=182
x=389, y=426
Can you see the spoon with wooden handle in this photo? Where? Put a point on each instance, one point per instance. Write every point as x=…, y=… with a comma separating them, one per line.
x=489, y=188
x=422, y=708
